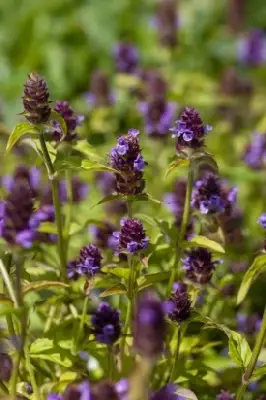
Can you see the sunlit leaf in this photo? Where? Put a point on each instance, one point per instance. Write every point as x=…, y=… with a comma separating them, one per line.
x=35, y=286
x=84, y=147
x=48, y=227
x=258, y=373
x=202, y=241
x=21, y=129
x=117, y=289
x=122, y=273
x=256, y=268
x=96, y=166
x=151, y=279
x=41, y=345
x=239, y=349
x=186, y=394
x=58, y=358
x=178, y=163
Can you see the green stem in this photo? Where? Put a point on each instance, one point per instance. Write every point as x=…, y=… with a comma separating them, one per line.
x=50, y=318
x=254, y=358
x=8, y=264
x=129, y=303
x=8, y=283
x=3, y=388
x=81, y=324
x=35, y=387
x=180, y=238
x=69, y=208
x=110, y=362
x=57, y=206
x=172, y=376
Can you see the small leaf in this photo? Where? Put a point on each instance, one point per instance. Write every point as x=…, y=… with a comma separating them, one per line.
x=96, y=166
x=48, y=227
x=71, y=162
x=41, y=345
x=258, y=373
x=117, y=289
x=202, y=241
x=256, y=268
x=117, y=271
x=148, y=280
x=84, y=147
x=186, y=394
x=239, y=349
x=20, y=130
x=179, y=162
x=57, y=358
x=35, y=286
x=55, y=116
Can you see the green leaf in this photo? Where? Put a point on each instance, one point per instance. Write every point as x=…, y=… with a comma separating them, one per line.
x=239, y=349
x=72, y=162
x=77, y=227
x=35, y=286
x=179, y=162
x=96, y=166
x=151, y=279
x=117, y=289
x=41, y=345
x=209, y=323
x=35, y=144
x=202, y=241
x=122, y=273
x=256, y=268
x=204, y=159
x=55, y=116
x=258, y=373
x=186, y=394
x=84, y=147
x=20, y=130
x=48, y=227
x=138, y=197
x=58, y=358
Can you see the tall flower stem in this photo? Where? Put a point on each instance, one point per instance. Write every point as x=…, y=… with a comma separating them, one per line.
x=254, y=358
x=57, y=206
x=176, y=355
x=180, y=238
x=129, y=302
x=81, y=324
x=36, y=392
x=69, y=208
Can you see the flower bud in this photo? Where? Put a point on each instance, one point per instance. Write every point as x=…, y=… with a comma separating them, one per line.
x=36, y=99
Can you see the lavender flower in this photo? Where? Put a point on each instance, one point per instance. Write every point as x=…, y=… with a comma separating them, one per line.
x=262, y=220
x=87, y=264
x=132, y=237
x=106, y=324
x=126, y=58
x=6, y=366
x=251, y=49
x=199, y=265
x=54, y=396
x=210, y=196
x=105, y=390
x=36, y=100
x=45, y=213
x=167, y=393
x=100, y=95
x=71, y=120
x=126, y=158
x=248, y=324
x=167, y=22
x=255, y=152
x=15, y=215
x=122, y=388
x=178, y=305
x=103, y=235
x=189, y=130
x=31, y=176
x=149, y=326
x=225, y=396
x=158, y=116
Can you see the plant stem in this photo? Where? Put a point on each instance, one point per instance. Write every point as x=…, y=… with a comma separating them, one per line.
x=82, y=323
x=180, y=238
x=129, y=303
x=8, y=283
x=57, y=206
x=172, y=375
x=3, y=387
x=50, y=318
x=35, y=387
x=254, y=358
x=69, y=208
x=110, y=362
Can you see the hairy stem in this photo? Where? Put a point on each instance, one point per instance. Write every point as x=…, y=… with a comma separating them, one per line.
x=254, y=358
x=57, y=206
x=182, y=231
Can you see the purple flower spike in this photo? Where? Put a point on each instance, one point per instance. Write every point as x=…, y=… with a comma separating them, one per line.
x=252, y=48
x=72, y=122
x=199, y=265
x=178, y=305
x=54, y=396
x=36, y=99
x=149, y=327
x=223, y=395
x=106, y=324
x=126, y=58
x=255, y=152
x=100, y=94
x=133, y=132
x=132, y=237
x=262, y=220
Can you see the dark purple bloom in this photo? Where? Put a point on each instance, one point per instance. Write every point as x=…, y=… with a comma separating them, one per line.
x=106, y=182
x=126, y=158
x=167, y=393
x=31, y=176
x=210, y=195
x=167, y=22
x=106, y=324
x=132, y=237
x=72, y=121
x=100, y=94
x=262, y=397
x=252, y=48
x=6, y=366
x=223, y=395
x=178, y=305
x=189, y=130
x=149, y=326
x=105, y=390
x=249, y=324
x=54, y=396
x=126, y=58
x=16, y=213
x=255, y=153
x=199, y=265
x=158, y=116
x=262, y=220
x=88, y=263
x=36, y=100
x=103, y=235
x=82, y=391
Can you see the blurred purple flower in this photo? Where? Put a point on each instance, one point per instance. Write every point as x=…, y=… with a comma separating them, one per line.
x=72, y=122
x=100, y=94
x=223, y=395
x=251, y=49
x=262, y=220
x=248, y=324
x=255, y=152
x=178, y=305
x=167, y=393
x=106, y=324
x=126, y=58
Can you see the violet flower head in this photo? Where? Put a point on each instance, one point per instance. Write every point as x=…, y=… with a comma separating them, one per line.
x=251, y=49
x=190, y=130
x=30, y=175
x=255, y=152
x=16, y=213
x=103, y=235
x=167, y=393
x=178, y=305
x=248, y=324
x=106, y=324
x=210, y=195
x=132, y=237
x=149, y=326
x=36, y=99
x=158, y=116
x=82, y=391
x=126, y=158
x=6, y=367
x=262, y=220
x=105, y=390
x=167, y=22
x=100, y=94
x=199, y=265
x=223, y=395
x=122, y=388
x=126, y=58
x=72, y=121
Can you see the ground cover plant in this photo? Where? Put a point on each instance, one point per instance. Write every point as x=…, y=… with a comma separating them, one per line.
x=133, y=212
